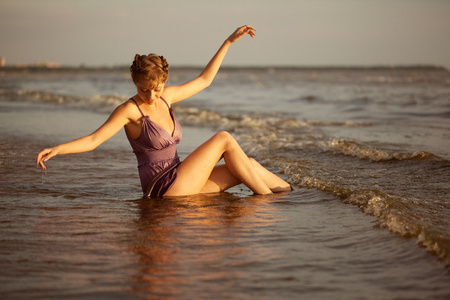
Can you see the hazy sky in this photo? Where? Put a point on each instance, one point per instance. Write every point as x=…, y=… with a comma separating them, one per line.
x=188, y=32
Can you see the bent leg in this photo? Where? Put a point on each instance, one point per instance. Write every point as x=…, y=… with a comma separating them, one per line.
x=195, y=171
x=220, y=180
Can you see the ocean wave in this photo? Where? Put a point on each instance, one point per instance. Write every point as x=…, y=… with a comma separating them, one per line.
x=284, y=132
x=362, y=151
x=406, y=217
x=339, y=124
x=197, y=116
x=104, y=103
x=424, y=219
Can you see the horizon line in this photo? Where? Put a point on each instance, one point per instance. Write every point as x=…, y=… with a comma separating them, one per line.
x=231, y=67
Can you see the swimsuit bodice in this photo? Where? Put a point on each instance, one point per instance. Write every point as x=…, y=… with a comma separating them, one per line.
x=155, y=149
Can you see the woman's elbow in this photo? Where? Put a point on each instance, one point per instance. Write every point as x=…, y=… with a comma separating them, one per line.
x=205, y=81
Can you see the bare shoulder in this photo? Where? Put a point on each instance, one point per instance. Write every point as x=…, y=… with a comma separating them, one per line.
x=127, y=107
x=126, y=110
x=168, y=93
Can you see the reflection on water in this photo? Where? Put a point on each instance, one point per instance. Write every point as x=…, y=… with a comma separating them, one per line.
x=182, y=241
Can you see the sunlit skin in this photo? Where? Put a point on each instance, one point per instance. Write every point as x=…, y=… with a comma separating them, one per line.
x=198, y=173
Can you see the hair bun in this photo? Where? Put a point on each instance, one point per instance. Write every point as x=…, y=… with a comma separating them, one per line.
x=150, y=67
x=164, y=64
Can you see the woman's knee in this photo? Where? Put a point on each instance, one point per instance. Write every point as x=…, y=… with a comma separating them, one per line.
x=224, y=135
x=226, y=138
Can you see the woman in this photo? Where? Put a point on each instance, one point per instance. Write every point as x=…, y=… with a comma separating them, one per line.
x=153, y=132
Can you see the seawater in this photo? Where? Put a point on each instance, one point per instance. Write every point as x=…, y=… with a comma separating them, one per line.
x=366, y=149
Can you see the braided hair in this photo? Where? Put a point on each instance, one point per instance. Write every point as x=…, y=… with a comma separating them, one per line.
x=150, y=67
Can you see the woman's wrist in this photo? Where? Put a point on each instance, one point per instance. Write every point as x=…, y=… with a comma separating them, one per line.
x=227, y=42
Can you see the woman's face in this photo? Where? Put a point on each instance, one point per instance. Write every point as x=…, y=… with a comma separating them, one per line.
x=148, y=91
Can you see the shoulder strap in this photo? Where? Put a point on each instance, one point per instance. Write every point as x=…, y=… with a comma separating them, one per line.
x=137, y=106
x=165, y=101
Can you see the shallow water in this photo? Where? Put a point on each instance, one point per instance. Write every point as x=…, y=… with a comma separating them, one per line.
x=369, y=202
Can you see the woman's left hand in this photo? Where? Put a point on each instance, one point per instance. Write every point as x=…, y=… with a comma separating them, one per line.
x=240, y=32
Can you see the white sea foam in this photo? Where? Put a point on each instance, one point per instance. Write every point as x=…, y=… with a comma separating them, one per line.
x=364, y=151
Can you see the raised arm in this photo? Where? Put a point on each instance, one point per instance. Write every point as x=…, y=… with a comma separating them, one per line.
x=178, y=93
x=115, y=122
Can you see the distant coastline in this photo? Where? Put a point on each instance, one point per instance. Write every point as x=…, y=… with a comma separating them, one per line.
x=32, y=68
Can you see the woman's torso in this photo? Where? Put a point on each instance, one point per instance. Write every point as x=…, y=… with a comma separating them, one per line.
x=154, y=145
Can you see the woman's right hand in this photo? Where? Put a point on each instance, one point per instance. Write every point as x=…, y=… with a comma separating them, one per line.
x=240, y=32
x=45, y=155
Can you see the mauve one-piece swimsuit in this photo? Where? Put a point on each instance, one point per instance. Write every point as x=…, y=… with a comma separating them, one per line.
x=157, y=156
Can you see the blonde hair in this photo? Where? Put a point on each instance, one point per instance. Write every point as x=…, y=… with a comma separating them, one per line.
x=150, y=67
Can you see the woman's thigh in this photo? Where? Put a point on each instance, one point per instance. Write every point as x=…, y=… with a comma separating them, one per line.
x=194, y=172
x=220, y=180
